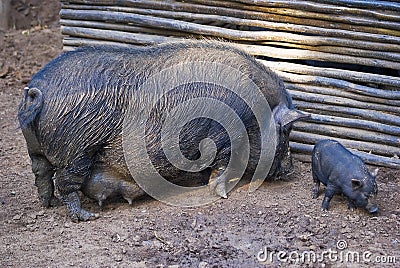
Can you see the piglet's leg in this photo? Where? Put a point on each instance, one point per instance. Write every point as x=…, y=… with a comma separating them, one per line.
x=315, y=191
x=68, y=185
x=329, y=193
x=351, y=205
x=325, y=203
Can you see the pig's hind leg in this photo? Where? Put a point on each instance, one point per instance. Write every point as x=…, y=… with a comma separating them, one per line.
x=68, y=185
x=329, y=193
x=44, y=172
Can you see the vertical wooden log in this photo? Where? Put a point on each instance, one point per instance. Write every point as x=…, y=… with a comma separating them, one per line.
x=4, y=14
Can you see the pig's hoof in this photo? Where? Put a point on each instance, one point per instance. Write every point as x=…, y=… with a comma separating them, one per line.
x=315, y=191
x=55, y=202
x=351, y=207
x=218, y=186
x=373, y=210
x=84, y=215
x=221, y=191
x=129, y=200
x=49, y=201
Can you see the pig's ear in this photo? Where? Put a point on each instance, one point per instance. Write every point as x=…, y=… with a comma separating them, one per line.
x=355, y=184
x=375, y=172
x=284, y=116
x=292, y=116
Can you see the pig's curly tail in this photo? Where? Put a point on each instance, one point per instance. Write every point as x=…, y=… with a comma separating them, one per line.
x=30, y=106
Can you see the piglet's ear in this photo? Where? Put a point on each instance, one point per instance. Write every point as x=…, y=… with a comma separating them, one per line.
x=375, y=172
x=355, y=184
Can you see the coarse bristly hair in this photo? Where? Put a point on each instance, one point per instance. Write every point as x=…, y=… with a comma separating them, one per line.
x=84, y=92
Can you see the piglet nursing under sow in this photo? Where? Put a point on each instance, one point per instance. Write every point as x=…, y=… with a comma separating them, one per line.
x=343, y=172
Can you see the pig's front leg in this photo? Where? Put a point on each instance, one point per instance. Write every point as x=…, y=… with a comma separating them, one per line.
x=351, y=205
x=217, y=182
x=74, y=209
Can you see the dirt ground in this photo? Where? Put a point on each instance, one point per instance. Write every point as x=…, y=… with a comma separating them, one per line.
x=277, y=225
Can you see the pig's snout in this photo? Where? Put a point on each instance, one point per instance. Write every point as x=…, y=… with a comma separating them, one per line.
x=373, y=209
x=372, y=206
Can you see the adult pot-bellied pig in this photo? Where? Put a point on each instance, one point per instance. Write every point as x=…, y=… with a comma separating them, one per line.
x=343, y=172
x=73, y=110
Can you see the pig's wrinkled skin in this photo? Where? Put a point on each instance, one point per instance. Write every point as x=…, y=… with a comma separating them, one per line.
x=72, y=115
x=343, y=172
